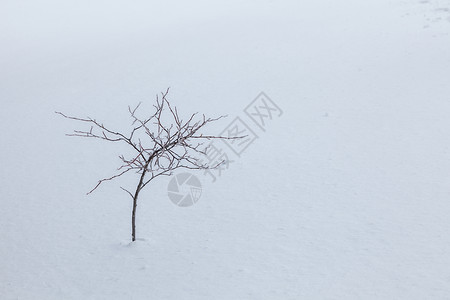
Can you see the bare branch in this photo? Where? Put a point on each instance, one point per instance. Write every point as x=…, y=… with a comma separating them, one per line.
x=129, y=193
x=107, y=179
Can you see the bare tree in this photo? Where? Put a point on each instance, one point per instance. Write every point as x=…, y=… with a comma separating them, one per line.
x=161, y=143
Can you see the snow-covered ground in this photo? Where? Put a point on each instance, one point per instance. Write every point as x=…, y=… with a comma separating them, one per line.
x=346, y=195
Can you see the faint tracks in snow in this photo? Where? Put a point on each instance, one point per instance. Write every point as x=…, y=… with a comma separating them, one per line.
x=435, y=12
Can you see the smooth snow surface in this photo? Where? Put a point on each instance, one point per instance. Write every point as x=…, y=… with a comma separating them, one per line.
x=346, y=195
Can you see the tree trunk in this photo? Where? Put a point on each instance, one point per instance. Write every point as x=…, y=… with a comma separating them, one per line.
x=133, y=219
x=135, y=198
x=133, y=213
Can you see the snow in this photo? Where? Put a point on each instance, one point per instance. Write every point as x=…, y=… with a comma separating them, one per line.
x=344, y=196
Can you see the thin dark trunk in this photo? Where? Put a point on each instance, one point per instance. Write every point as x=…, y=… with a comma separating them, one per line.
x=135, y=198
x=133, y=218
